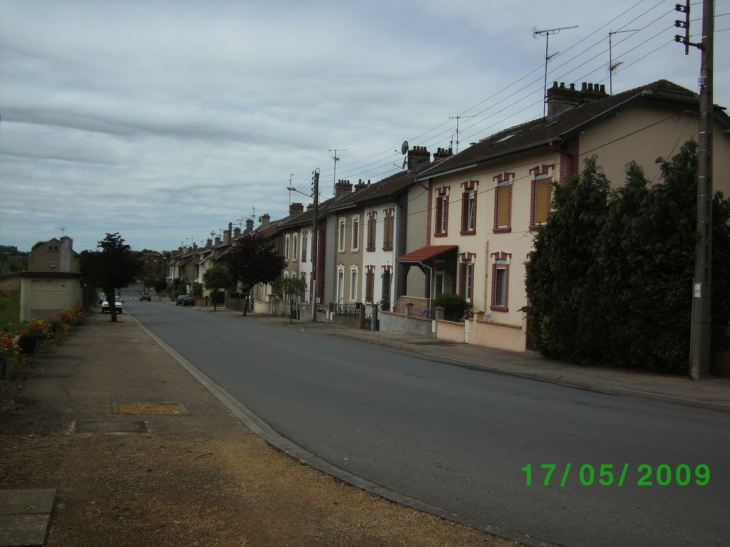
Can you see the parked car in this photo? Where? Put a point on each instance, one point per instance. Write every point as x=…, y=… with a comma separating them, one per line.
x=187, y=300
x=118, y=302
x=179, y=299
x=145, y=296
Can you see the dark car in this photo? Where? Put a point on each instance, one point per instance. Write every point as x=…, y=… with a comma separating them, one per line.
x=185, y=300
x=145, y=296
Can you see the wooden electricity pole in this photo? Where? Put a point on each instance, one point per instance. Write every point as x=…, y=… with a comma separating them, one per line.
x=701, y=337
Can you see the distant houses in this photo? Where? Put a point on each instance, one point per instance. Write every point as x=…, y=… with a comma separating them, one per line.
x=464, y=223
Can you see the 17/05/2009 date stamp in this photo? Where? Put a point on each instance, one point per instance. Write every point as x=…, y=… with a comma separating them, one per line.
x=609, y=475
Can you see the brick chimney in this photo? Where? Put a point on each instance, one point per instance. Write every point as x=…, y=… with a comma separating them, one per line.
x=592, y=92
x=361, y=185
x=265, y=220
x=561, y=98
x=236, y=232
x=342, y=188
x=249, y=226
x=442, y=154
x=296, y=208
x=417, y=156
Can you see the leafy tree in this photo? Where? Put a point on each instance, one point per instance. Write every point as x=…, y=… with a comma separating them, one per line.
x=160, y=285
x=113, y=267
x=290, y=287
x=217, y=277
x=253, y=259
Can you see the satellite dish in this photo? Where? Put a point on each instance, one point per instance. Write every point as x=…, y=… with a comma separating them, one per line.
x=404, y=148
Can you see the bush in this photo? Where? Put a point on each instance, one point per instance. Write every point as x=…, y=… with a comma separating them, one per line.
x=455, y=306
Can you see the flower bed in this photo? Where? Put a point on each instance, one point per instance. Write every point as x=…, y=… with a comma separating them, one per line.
x=34, y=333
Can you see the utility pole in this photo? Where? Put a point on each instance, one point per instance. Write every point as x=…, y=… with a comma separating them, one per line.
x=701, y=336
x=457, y=118
x=334, y=177
x=315, y=234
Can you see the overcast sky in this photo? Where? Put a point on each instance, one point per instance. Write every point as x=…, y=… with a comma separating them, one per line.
x=166, y=120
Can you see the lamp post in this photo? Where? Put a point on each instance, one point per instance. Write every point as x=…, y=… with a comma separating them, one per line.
x=315, y=235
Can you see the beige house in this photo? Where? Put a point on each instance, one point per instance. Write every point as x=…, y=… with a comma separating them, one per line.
x=486, y=202
x=52, y=282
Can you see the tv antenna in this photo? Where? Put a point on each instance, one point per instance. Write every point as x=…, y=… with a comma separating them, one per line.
x=336, y=159
x=457, y=118
x=546, y=33
x=63, y=230
x=290, y=186
x=611, y=65
x=404, y=151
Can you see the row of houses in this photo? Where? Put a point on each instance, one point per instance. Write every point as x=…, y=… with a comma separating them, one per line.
x=464, y=223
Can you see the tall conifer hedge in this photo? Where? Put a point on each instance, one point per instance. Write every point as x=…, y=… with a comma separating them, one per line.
x=610, y=279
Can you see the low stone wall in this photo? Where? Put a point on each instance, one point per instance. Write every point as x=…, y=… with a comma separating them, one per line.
x=398, y=323
x=451, y=331
x=497, y=335
x=420, y=306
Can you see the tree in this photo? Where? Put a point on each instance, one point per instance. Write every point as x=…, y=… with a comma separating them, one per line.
x=216, y=277
x=290, y=287
x=253, y=259
x=610, y=278
x=113, y=267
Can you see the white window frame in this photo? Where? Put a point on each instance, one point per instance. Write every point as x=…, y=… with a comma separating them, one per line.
x=354, y=282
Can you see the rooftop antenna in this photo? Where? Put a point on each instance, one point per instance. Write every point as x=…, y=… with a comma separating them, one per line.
x=611, y=65
x=457, y=118
x=336, y=159
x=546, y=33
x=253, y=213
x=290, y=186
x=63, y=230
x=404, y=151
x=240, y=222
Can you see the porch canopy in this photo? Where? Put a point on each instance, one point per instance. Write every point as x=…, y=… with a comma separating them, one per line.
x=424, y=254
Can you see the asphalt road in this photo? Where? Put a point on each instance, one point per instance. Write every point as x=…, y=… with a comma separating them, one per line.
x=462, y=439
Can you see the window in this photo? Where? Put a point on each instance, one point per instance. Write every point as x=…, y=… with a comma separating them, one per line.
x=503, y=203
x=287, y=242
x=442, y=212
x=388, y=230
x=305, y=236
x=341, y=235
x=385, y=289
x=355, y=233
x=469, y=208
x=353, y=284
x=466, y=277
x=500, y=282
x=295, y=247
x=369, y=283
x=340, y=284
x=372, y=218
x=541, y=196
x=304, y=296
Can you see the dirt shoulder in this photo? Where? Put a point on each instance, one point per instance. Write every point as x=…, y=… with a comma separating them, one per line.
x=194, y=475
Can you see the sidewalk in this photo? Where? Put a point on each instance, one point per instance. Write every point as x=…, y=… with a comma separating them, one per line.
x=107, y=441
x=711, y=393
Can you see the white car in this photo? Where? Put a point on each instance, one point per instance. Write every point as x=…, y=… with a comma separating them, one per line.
x=117, y=304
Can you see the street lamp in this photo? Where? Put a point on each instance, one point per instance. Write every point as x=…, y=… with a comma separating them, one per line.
x=315, y=230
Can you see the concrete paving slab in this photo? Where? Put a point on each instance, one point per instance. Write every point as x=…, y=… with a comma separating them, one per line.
x=24, y=516
x=110, y=426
